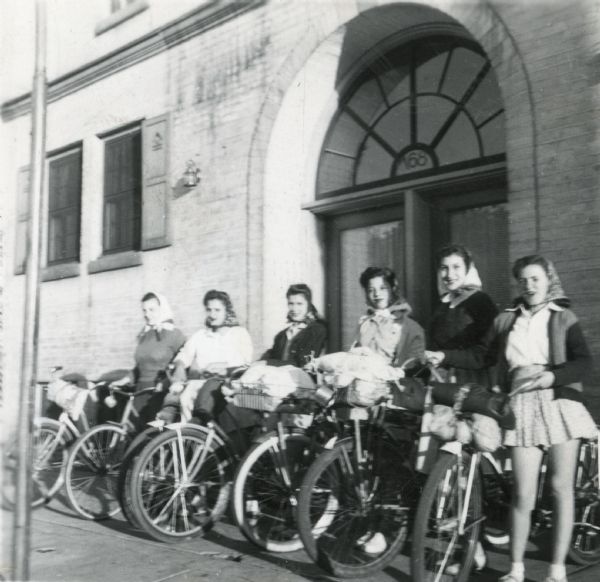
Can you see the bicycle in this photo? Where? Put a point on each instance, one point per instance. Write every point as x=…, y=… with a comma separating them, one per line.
x=362, y=489
x=468, y=493
x=51, y=440
x=181, y=481
x=94, y=462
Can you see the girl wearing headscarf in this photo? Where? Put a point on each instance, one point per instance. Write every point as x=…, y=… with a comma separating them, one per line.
x=305, y=332
x=542, y=359
x=157, y=344
x=387, y=328
x=464, y=314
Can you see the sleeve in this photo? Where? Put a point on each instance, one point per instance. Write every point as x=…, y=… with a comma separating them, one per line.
x=315, y=342
x=416, y=349
x=579, y=360
x=177, y=341
x=187, y=353
x=481, y=355
x=244, y=345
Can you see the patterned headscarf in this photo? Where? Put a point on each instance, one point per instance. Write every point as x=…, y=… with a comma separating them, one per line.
x=165, y=320
x=471, y=284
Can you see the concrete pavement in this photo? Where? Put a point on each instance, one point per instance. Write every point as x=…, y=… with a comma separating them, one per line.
x=68, y=549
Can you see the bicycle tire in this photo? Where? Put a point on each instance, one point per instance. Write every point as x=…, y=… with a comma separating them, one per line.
x=124, y=480
x=436, y=555
x=93, y=470
x=337, y=508
x=265, y=491
x=585, y=541
x=50, y=442
x=169, y=507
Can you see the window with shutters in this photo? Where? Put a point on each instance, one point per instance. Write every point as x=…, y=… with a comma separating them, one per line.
x=64, y=207
x=122, y=192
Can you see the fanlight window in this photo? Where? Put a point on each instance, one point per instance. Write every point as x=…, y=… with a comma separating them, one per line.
x=430, y=106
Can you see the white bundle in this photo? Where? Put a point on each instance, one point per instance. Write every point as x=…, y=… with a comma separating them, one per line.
x=276, y=381
x=68, y=396
x=359, y=363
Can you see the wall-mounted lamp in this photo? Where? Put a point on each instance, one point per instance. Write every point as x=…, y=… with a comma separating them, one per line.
x=191, y=176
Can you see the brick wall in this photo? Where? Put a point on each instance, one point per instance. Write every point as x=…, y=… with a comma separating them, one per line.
x=242, y=229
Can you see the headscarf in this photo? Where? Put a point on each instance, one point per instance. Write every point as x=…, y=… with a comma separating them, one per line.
x=471, y=284
x=165, y=320
x=555, y=293
x=398, y=310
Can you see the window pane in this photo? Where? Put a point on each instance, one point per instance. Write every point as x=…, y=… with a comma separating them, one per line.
x=432, y=112
x=335, y=172
x=394, y=127
x=464, y=67
x=486, y=100
x=492, y=134
x=459, y=143
x=429, y=74
x=375, y=163
x=64, y=208
x=122, y=193
x=366, y=101
x=347, y=136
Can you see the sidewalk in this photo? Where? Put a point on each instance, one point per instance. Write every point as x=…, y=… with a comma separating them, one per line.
x=68, y=549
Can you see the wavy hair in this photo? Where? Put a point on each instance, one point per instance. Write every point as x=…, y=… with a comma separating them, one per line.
x=231, y=319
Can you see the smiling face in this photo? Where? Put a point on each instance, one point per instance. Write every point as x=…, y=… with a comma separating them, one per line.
x=297, y=307
x=378, y=293
x=151, y=311
x=215, y=313
x=453, y=272
x=533, y=284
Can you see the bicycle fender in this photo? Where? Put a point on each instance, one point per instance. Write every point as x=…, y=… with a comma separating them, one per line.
x=337, y=442
x=453, y=447
x=331, y=443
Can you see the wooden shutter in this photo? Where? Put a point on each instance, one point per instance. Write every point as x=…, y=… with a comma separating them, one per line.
x=155, y=190
x=23, y=186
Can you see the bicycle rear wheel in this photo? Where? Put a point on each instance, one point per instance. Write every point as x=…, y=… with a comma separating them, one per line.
x=93, y=471
x=180, y=483
x=346, y=503
x=265, y=491
x=439, y=551
x=585, y=542
x=50, y=442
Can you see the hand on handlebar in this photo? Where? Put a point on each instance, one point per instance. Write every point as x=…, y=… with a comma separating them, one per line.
x=434, y=358
x=176, y=387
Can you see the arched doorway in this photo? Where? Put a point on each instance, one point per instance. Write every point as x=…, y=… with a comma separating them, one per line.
x=414, y=158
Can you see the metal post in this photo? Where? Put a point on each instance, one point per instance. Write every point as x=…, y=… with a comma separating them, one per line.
x=22, y=523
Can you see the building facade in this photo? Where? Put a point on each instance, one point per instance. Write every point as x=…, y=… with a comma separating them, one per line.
x=329, y=135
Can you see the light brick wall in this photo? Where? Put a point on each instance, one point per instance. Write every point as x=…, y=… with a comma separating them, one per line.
x=226, y=90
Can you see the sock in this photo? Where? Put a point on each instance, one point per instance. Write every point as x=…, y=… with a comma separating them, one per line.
x=557, y=571
x=517, y=569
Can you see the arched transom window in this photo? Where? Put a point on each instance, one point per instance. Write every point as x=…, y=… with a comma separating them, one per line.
x=430, y=106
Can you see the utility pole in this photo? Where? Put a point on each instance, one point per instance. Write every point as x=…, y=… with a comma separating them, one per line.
x=22, y=522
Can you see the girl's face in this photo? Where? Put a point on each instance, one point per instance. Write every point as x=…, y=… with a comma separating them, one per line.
x=297, y=307
x=533, y=284
x=151, y=311
x=453, y=272
x=215, y=312
x=378, y=293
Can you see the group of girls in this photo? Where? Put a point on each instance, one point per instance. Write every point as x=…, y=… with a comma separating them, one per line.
x=533, y=350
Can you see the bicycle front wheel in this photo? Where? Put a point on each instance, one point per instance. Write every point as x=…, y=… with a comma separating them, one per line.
x=93, y=471
x=265, y=491
x=354, y=514
x=180, y=483
x=50, y=442
x=585, y=542
x=441, y=552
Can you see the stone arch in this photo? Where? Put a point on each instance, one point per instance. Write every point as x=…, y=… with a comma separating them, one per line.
x=321, y=50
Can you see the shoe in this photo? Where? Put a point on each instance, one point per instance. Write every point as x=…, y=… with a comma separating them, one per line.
x=510, y=577
x=480, y=558
x=372, y=543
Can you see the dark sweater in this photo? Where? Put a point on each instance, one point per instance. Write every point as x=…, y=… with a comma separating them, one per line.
x=570, y=359
x=307, y=341
x=154, y=352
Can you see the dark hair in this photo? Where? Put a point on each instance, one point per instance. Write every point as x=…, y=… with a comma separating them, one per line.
x=150, y=296
x=223, y=297
x=523, y=262
x=304, y=290
x=388, y=276
x=454, y=249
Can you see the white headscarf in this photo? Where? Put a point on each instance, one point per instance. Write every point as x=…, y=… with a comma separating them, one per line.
x=165, y=320
x=471, y=284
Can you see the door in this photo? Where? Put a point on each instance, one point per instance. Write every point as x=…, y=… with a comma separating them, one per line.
x=357, y=241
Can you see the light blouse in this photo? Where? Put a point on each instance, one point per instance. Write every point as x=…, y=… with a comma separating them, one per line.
x=528, y=341
x=230, y=346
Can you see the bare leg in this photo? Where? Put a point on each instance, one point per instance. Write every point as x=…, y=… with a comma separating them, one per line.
x=563, y=462
x=526, y=463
